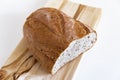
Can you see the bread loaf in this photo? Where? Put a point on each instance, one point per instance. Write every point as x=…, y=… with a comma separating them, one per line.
x=55, y=38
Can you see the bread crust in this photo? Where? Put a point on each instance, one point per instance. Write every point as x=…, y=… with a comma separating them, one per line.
x=49, y=32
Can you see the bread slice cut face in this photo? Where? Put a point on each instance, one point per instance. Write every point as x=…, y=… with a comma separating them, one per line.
x=55, y=38
x=74, y=49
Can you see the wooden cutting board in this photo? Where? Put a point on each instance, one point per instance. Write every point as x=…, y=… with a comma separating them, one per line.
x=22, y=66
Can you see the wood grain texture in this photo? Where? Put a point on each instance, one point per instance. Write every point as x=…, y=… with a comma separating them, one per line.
x=21, y=64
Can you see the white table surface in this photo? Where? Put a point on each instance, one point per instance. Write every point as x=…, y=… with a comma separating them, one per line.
x=102, y=62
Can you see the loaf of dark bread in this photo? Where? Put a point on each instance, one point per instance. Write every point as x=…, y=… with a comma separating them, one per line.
x=55, y=39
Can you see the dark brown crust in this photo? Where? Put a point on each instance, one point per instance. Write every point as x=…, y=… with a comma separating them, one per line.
x=49, y=32
x=43, y=59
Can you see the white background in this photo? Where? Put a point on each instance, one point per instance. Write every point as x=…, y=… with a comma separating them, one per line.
x=102, y=62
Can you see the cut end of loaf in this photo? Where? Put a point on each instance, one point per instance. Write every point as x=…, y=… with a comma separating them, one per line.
x=75, y=48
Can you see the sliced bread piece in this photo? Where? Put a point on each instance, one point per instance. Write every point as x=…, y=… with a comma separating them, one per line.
x=55, y=39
